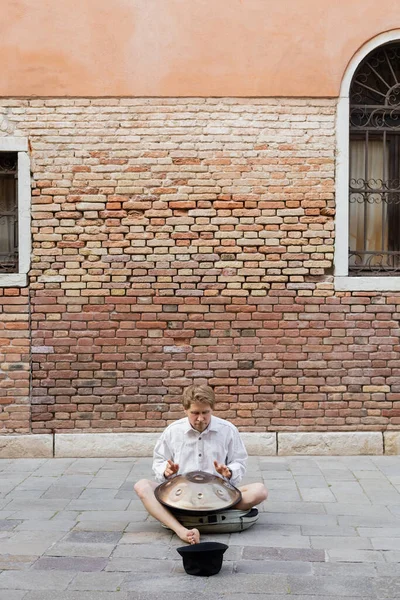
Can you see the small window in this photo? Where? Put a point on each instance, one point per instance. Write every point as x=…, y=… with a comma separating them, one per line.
x=8, y=212
x=15, y=206
x=374, y=165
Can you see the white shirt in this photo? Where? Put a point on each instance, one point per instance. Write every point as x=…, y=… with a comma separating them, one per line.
x=195, y=451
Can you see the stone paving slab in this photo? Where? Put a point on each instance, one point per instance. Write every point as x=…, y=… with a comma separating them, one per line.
x=72, y=529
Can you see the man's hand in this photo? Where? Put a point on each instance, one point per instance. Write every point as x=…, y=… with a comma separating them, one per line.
x=171, y=469
x=222, y=470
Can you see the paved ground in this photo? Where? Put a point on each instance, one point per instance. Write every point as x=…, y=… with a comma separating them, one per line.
x=72, y=529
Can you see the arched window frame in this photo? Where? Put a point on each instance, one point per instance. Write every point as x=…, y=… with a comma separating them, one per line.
x=344, y=282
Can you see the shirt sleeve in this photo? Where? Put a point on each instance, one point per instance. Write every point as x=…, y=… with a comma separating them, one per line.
x=237, y=458
x=162, y=453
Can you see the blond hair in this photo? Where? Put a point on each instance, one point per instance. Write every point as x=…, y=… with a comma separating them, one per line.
x=198, y=393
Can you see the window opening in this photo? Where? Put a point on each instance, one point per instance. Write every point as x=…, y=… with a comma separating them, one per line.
x=374, y=186
x=8, y=212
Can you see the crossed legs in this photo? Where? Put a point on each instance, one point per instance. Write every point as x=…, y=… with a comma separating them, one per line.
x=145, y=490
x=252, y=494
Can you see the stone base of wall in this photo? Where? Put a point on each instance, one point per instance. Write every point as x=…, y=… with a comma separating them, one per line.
x=26, y=446
x=120, y=445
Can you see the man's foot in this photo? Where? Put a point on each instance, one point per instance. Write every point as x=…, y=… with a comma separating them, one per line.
x=190, y=536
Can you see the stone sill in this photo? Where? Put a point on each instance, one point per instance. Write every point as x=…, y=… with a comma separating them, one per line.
x=126, y=445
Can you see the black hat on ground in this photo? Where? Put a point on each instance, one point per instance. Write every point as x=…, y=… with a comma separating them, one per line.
x=203, y=559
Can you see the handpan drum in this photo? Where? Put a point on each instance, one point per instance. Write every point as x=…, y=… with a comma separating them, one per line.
x=197, y=493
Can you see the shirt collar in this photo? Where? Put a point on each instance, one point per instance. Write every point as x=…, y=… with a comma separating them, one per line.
x=212, y=426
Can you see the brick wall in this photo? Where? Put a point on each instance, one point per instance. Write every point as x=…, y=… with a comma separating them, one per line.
x=14, y=361
x=181, y=240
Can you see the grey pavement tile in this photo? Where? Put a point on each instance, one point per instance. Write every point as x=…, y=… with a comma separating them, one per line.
x=65, y=515
x=352, y=555
x=77, y=595
x=273, y=566
x=375, y=532
x=333, y=530
x=394, y=509
x=253, y=537
x=369, y=521
x=331, y=586
x=89, y=550
x=305, y=481
x=310, y=508
x=84, y=564
x=317, y=495
x=301, y=519
x=28, y=465
x=12, y=594
x=283, y=554
x=49, y=525
x=277, y=528
x=98, y=505
x=30, y=542
x=141, y=582
x=386, y=587
x=16, y=562
x=85, y=465
x=281, y=484
x=161, y=536
x=54, y=467
x=56, y=492
x=24, y=495
x=392, y=556
x=118, y=526
x=284, y=495
x=41, y=504
x=93, y=537
x=386, y=543
x=245, y=584
x=283, y=475
x=133, y=551
x=141, y=565
x=189, y=595
x=98, y=494
x=103, y=483
x=9, y=524
x=355, y=543
x=345, y=569
x=388, y=569
x=343, y=508
x=370, y=476
x=104, y=582
x=31, y=513
x=35, y=580
x=37, y=483
x=113, y=515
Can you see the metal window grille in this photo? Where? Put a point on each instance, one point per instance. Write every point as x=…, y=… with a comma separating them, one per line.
x=8, y=212
x=374, y=187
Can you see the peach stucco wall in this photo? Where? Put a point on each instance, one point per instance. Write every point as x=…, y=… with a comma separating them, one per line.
x=184, y=47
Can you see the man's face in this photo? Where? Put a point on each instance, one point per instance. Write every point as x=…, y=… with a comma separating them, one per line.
x=199, y=415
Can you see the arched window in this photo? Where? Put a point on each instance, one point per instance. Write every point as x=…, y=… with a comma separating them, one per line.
x=367, y=253
x=374, y=171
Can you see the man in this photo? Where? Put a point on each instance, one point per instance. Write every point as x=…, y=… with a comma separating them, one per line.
x=199, y=442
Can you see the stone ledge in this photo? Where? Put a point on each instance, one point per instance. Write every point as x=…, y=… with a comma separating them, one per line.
x=346, y=443
x=260, y=444
x=392, y=442
x=113, y=445
x=26, y=446
x=125, y=445
x=104, y=445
